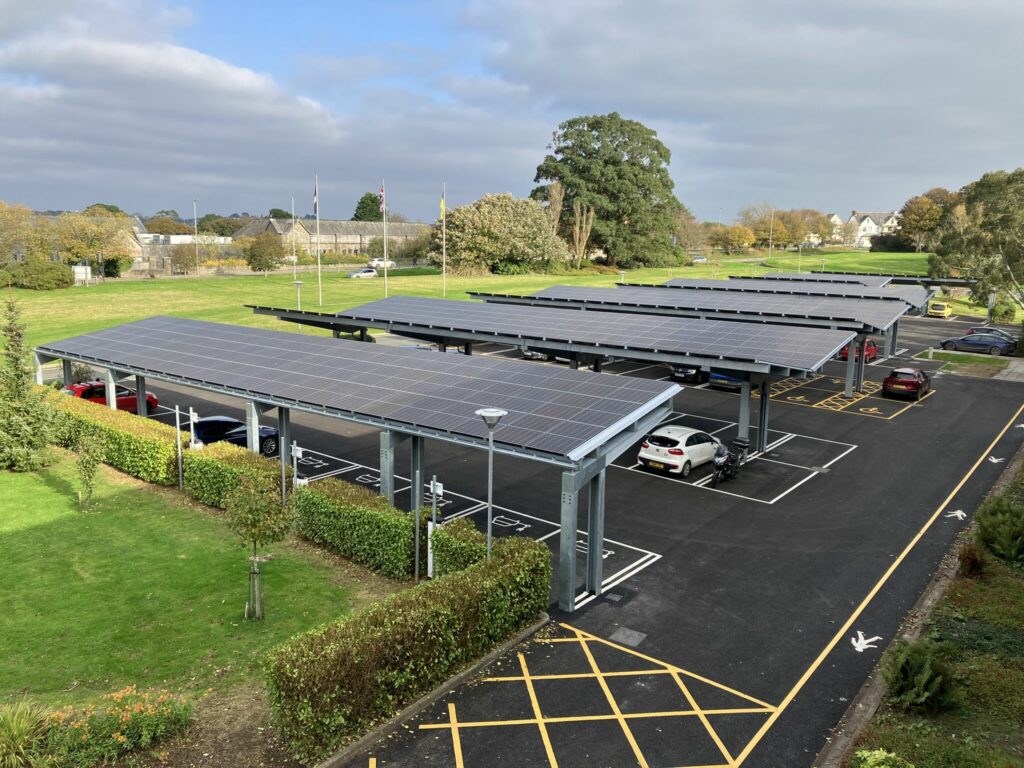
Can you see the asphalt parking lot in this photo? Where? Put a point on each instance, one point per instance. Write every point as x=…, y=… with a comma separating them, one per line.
x=738, y=622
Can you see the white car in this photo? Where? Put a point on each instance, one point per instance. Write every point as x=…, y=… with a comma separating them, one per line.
x=677, y=449
x=381, y=264
x=364, y=272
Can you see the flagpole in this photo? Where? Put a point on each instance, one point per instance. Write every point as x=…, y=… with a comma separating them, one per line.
x=319, y=284
x=384, y=210
x=444, y=248
x=294, y=262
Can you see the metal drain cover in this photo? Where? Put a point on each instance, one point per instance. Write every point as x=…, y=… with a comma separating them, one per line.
x=629, y=637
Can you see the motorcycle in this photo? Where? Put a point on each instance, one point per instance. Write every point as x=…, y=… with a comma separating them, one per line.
x=726, y=467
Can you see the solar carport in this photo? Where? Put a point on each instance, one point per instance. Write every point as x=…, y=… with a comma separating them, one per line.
x=863, y=316
x=749, y=352
x=574, y=420
x=913, y=295
x=869, y=280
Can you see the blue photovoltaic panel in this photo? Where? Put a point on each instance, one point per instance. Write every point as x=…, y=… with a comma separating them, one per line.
x=783, y=346
x=871, y=281
x=551, y=410
x=913, y=295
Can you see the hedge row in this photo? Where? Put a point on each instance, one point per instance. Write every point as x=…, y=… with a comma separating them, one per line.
x=215, y=469
x=142, y=448
x=457, y=545
x=358, y=524
x=330, y=684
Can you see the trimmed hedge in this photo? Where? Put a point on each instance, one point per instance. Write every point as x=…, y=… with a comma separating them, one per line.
x=137, y=446
x=357, y=524
x=330, y=684
x=457, y=545
x=215, y=469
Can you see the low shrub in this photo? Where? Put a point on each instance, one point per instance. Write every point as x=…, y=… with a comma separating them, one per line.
x=1001, y=528
x=333, y=682
x=878, y=758
x=137, y=446
x=125, y=720
x=37, y=274
x=918, y=678
x=358, y=524
x=211, y=472
x=22, y=732
x=457, y=545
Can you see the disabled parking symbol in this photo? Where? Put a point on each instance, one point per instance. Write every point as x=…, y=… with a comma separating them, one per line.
x=872, y=411
x=797, y=399
x=512, y=523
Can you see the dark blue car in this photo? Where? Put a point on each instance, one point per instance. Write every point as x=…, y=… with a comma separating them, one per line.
x=215, y=429
x=988, y=343
x=723, y=381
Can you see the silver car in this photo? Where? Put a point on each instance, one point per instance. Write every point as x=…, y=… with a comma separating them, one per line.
x=364, y=272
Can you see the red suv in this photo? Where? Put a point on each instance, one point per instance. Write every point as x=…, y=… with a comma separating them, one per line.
x=870, y=354
x=907, y=381
x=96, y=392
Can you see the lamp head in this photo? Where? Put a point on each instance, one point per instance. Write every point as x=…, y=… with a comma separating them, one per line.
x=298, y=282
x=491, y=416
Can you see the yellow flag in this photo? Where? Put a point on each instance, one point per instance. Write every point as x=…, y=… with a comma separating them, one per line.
x=442, y=207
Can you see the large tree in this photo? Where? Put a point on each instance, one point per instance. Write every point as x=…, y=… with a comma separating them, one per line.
x=983, y=237
x=368, y=208
x=279, y=213
x=25, y=416
x=499, y=233
x=619, y=168
x=95, y=239
x=165, y=225
x=731, y=238
x=919, y=220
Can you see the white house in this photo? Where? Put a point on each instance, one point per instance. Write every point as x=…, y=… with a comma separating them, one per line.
x=871, y=223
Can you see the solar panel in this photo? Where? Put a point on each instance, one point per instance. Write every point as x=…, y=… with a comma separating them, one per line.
x=551, y=410
x=790, y=347
x=913, y=295
x=871, y=281
x=856, y=314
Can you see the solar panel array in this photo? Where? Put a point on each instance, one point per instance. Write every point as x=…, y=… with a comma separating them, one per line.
x=913, y=295
x=857, y=314
x=551, y=410
x=871, y=281
x=792, y=347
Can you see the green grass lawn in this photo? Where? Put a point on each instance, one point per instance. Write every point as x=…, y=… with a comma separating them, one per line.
x=141, y=588
x=57, y=314
x=967, y=364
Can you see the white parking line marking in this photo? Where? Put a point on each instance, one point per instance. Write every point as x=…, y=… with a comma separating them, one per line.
x=794, y=487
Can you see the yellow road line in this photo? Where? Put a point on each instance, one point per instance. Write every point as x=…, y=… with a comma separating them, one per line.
x=456, y=740
x=373, y=762
x=596, y=718
x=578, y=675
x=669, y=667
x=707, y=725
x=615, y=707
x=537, y=713
x=841, y=633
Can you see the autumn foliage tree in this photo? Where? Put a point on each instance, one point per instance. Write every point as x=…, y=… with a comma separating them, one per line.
x=919, y=220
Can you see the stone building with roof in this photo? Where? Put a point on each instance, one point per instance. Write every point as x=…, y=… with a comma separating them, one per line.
x=335, y=236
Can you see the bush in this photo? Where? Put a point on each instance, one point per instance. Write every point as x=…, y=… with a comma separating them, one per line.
x=213, y=471
x=1001, y=528
x=918, y=678
x=137, y=446
x=358, y=524
x=38, y=274
x=126, y=720
x=331, y=683
x=457, y=545
x=971, y=559
x=1004, y=310
x=22, y=730
x=878, y=758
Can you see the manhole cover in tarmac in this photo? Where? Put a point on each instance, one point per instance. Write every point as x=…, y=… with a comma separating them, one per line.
x=629, y=637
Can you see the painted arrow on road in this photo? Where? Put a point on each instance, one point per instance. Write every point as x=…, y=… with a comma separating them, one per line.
x=959, y=514
x=861, y=643
x=1019, y=426
x=994, y=460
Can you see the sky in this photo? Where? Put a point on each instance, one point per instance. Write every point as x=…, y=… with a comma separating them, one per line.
x=239, y=105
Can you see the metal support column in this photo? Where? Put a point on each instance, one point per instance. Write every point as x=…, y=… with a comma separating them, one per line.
x=596, y=365
x=764, y=387
x=441, y=347
x=595, y=533
x=284, y=447
x=66, y=372
x=467, y=348
x=893, y=338
x=416, y=470
x=861, y=362
x=252, y=426
x=574, y=364
x=851, y=364
x=389, y=442
x=363, y=335
x=38, y=364
x=743, y=428
x=141, y=406
x=111, y=389
x=567, y=545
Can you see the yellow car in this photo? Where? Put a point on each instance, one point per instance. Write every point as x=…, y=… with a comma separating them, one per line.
x=939, y=309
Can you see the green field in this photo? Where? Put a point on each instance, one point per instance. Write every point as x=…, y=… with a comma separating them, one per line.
x=57, y=314
x=142, y=588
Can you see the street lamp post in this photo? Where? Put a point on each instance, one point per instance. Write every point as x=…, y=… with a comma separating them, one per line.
x=298, y=299
x=491, y=417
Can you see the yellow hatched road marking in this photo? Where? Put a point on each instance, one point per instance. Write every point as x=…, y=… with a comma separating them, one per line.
x=537, y=713
x=456, y=740
x=707, y=725
x=841, y=633
x=596, y=718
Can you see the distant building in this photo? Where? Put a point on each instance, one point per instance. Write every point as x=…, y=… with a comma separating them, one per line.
x=837, y=222
x=147, y=238
x=335, y=236
x=871, y=223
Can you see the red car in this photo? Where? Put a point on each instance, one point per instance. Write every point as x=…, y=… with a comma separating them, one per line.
x=870, y=354
x=907, y=381
x=96, y=392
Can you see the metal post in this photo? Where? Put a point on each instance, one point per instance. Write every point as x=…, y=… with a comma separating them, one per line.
x=861, y=362
x=596, y=365
x=192, y=416
x=284, y=437
x=595, y=534
x=177, y=435
x=295, y=462
x=66, y=371
x=743, y=428
x=490, y=486
x=468, y=348
x=111, y=389
x=433, y=526
x=252, y=426
x=574, y=363
x=851, y=363
x=141, y=405
x=892, y=338
x=38, y=370
x=416, y=492
x=389, y=441
x=762, y=418
x=567, y=545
